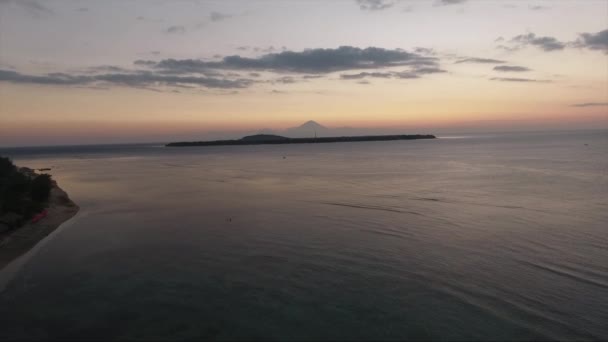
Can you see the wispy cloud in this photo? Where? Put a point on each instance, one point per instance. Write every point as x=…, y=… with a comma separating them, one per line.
x=32, y=7
x=516, y=79
x=537, y=7
x=367, y=74
x=480, y=60
x=218, y=16
x=176, y=29
x=137, y=79
x=375, y=5
x=592, y=41
x=406, y=74
x=545, y=43
x=511, y=68
x=285, y=80
x=450, y=2
x=591, y=104
x=425, y=51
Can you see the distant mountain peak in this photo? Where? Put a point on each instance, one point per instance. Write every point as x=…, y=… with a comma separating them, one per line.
x=312, y=124
x=308, y=129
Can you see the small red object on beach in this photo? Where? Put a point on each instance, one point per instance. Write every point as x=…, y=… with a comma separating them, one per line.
x=40, y=216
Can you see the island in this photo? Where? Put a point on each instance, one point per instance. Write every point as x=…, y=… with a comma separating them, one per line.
x=262, y=139
x=32, y=206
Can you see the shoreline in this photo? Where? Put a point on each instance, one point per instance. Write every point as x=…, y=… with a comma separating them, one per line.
x=21, y=240
x=262, y=139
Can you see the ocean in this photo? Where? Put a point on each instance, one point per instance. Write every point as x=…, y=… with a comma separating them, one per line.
x=499, y=236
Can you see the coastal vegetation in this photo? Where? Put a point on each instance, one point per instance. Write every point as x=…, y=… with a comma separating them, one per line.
x=32, y=206
x=23, y=193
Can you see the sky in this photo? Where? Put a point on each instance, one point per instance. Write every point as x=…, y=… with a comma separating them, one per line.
x=84, y=72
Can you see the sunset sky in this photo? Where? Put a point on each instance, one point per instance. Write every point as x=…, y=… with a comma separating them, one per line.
x=124, y=71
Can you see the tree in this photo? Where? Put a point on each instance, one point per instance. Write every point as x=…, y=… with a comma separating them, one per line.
x=40, y=188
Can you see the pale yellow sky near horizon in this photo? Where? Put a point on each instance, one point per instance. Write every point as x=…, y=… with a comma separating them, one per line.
x=47, y=95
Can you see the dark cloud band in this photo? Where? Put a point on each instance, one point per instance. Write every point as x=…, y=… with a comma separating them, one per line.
x=308, y=61
x=141, y=79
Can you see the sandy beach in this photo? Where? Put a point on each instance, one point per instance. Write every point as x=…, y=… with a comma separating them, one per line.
x=18, y=242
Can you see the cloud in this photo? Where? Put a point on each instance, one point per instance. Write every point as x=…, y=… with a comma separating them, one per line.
x=425, y=51
x=408, y=74
x=367, y=74
x=217, y=16
x=544, y=43
x=175, y=29
x=285, y=80
x=451, y=2
x=268, y=49
x=50, y=79
x=142, y=62
x=515, y=79
x=106, y=68
x=537, y=7
x=152, y=79
x=508, y=48
x=147, y=19
x=138, y=80
x=83, y=9
x=375, y=5
x=593, y=41
x=316, y=61
x=591, y=104
x=225, y=72
x=428, y=70
x=510, y=68
x=479, y=60
x=32, y=7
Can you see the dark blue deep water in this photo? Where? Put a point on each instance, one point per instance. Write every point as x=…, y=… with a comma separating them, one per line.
x=498, y=236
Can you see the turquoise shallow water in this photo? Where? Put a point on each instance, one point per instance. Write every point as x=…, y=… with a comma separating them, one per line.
x=498, y=236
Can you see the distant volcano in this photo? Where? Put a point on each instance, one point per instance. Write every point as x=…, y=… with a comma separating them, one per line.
x=311, y=124
x=308, y=129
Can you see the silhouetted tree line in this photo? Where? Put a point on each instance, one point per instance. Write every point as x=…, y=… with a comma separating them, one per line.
x=263, y=139
x=22, y=194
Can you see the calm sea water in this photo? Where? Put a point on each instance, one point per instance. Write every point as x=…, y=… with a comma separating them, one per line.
x=498, y=236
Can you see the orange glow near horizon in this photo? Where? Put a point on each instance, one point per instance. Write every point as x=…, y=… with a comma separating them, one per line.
x=418, y=76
